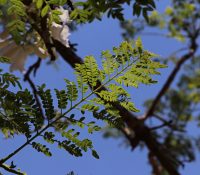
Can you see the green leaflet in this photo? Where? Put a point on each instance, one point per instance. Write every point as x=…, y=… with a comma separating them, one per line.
x=108, y=96
x=142, y=70
x=88, y=72
x=95, y=154
x=39, y=3
x=90, y=107
x=4, y=60
x=7, y=79
x=16, y=7
x=49, y=137
x=47, y=102
x=16, y=26
x=62, y=98
x=80, y=15
x=80, y=144
x=129, y=106
x=120, y=91
x=107, y=116
x=109, y=65
x=45, y=10
x=41, y=148
x=72, y=91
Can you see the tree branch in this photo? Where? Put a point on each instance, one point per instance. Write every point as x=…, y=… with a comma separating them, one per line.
x=27, y=78
x=171, y=78
x=157, y=169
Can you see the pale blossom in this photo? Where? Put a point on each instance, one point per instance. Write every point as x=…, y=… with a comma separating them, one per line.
x=61, y=32
x=18, y=53
x=64, y=17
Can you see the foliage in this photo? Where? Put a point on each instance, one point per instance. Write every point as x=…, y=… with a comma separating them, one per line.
x=91, y=9
x=20, y=112
x=45, y=116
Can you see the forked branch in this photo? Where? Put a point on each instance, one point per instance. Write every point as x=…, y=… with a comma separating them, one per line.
x=170, y=79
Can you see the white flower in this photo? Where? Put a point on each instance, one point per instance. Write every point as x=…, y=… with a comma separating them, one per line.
x=65, y=15
x=18, y=53
x=21, y=54
x=61, y=32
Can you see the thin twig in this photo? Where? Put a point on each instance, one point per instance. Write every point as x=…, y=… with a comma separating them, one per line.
x=162, y=125
x=33, y=68
x=177, y=51
x=159, y=118
x=154, y=34
x=170, y=123
x=7, y=168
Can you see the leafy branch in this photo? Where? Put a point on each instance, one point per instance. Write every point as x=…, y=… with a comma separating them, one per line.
x=129, y=60
x=136, y=126
x=11, y=170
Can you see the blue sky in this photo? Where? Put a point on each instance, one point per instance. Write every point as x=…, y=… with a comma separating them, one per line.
x=114, y=159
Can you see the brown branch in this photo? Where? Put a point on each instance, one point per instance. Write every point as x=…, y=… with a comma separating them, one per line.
x=172, y=125
x=33, y=68
x=167, y=160
x=129, y=134
x=171, y=78
x=7, y=168
x=157, y=169
x=27, y=78
x=167, y=123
